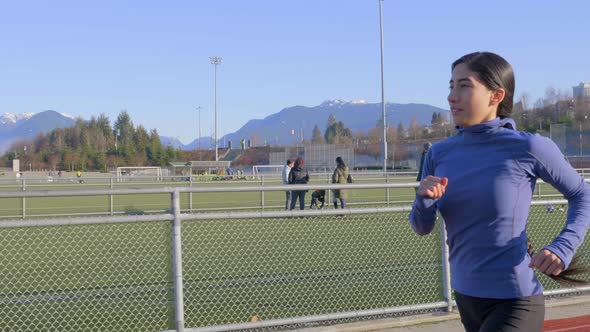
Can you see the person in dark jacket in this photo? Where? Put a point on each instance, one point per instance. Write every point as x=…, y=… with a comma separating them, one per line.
x=286, y=171
x=298, y=175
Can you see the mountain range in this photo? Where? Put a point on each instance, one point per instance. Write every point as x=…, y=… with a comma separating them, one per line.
x=14, y=127
x=292, y=123
x=286, y=127
x=206, y=142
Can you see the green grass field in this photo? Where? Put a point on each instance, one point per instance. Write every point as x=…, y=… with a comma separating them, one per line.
x=12, y=207
x=55, y=278
x=304, y=266
x=118, y=277
x=201, y=202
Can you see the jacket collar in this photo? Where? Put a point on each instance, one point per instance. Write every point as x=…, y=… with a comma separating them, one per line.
x=489, y=126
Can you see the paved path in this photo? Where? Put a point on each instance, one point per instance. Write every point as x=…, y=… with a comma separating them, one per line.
x=443, y=322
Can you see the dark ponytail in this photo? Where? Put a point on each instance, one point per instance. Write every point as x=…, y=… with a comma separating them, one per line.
x=566, y=278
x=494, y=72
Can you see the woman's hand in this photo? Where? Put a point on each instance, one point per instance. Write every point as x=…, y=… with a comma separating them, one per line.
x=547, y=262
x=433, y=187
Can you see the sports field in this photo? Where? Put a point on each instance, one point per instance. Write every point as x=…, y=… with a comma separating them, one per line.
x=118, y=277
x=201, y=202
x=210, y=201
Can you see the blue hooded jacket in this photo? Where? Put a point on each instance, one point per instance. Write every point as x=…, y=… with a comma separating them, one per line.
x=492, y=170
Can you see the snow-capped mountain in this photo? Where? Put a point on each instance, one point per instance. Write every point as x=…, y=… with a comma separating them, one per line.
x=13, y=118
x=342, y=102
x=68, y=115
x=286, y=126
x=14, y=127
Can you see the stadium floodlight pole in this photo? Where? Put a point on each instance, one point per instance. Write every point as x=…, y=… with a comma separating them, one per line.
x=199, y=138
x=215, y=61
x=383, y=91
x=117, y=134
x=585, y=117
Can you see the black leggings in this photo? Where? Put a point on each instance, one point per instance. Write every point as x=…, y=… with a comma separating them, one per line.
x=524, y=314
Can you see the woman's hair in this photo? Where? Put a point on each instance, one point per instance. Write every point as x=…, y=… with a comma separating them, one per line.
x=494, y=72
x=340, y=163
x=566, y=278
x=299, y=161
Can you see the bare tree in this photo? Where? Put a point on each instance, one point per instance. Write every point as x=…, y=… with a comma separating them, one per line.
x=550, y=96
x=525, y=100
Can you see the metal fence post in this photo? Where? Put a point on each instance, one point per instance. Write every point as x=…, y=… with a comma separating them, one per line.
x=329, y=191
x=24, y=200
x=386, y=189
x=446, y=268
x=190, y=195
x=262, y=192
x=177, y=263
x=111, y=206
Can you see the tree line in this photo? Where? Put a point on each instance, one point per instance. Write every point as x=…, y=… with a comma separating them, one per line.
x=92, y=145
x=96, y=145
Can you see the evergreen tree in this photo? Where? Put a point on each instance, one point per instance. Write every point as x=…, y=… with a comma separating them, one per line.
x=124, y=128
x=330, y=132
x=89, y=145
x=154, y=150
x=104, y=124
x=316, y=136
x=331, y=120
x=336, y=133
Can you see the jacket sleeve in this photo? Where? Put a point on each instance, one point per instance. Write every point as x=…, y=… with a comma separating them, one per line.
x=423, y=214
x=552, y=167
x=291, y=177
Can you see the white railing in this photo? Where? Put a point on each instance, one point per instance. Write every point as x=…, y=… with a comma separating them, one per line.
x=400, y=193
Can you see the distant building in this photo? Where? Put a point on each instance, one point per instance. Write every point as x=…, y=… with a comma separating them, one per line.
x=582, y=90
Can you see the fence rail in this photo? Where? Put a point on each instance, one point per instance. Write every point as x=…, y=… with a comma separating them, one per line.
x=214, y=271
x=24, y=198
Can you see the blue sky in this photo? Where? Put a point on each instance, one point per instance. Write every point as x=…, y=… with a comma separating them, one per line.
x=152, y=57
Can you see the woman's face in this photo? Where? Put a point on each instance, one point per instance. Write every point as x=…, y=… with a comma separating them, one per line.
x=471, y=102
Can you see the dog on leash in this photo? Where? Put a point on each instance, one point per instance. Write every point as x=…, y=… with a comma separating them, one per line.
x=317, y=199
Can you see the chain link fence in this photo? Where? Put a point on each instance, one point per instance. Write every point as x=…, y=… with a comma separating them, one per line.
x=573, y=140
x=546, y=221
x=101, y=277
x=276, y=268
x=216, y=272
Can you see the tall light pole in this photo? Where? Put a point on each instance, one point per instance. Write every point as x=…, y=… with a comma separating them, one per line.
x=199, y=138
x=215, y=61
x=585, y=117
x=117, y=134
x=383, y=91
